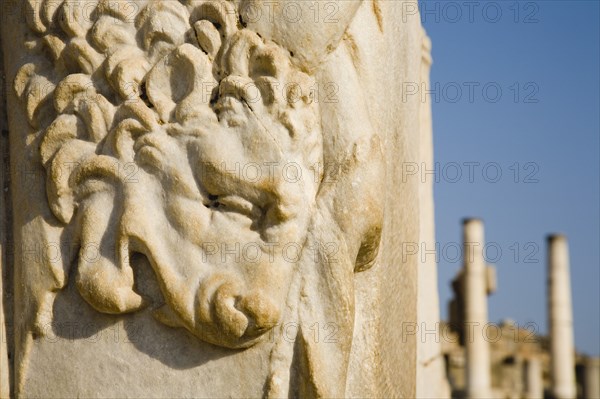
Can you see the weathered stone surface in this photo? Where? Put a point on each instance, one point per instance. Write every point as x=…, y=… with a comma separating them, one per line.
x=207, y=203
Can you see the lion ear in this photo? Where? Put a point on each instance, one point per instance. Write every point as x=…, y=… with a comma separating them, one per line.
x=326, y=315
x=344, y=237
x=365, y=194
x=352, y=195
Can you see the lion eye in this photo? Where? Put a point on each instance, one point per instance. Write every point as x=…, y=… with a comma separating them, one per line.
x=234, y=203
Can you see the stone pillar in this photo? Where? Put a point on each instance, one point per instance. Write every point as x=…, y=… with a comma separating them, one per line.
x=431, y=378
x=591, y=378
x=174, y=309
x=534, y=384
x=562, y=351
x=477, y=348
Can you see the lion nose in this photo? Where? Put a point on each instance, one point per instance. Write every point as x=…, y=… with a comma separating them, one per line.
x=261, y=312
x=243, y=315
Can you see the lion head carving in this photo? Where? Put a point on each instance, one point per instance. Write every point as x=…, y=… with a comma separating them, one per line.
x=170, y=129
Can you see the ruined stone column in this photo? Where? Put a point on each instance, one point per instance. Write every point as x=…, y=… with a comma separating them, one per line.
x=534, y=384
x=591, y=378
x=560, y=314
x=477, y=348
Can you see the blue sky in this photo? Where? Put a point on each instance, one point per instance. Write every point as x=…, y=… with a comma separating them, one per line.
x=519, y=94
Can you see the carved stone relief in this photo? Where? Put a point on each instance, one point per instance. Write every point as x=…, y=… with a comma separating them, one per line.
x=192, y=137
x=147, y=121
